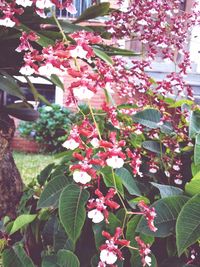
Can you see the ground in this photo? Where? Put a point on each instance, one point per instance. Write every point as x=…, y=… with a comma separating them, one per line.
x=30, y=165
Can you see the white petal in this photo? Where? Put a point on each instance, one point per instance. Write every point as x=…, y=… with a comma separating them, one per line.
x=115, y=162
x=108, y=256
x=81, y=177
x=70, y=144
x=148, y=260
x=96, y=216
x=83, y=93
x=27, y=70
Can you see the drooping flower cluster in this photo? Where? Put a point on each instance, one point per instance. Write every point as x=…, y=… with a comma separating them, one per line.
x=149, y=214
x=11, y=10
x=160, y=26
x=98, y=207
x=110, y=251
x=144, y=250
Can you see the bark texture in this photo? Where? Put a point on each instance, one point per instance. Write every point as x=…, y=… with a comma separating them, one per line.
x=10, y=180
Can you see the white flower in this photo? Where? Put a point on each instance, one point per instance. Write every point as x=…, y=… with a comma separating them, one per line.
x=147, y=260
x=81, y=177
x=95, y=142
x=78, y=52
x=83, y=93
x=48, y=69
x=176, y=167
x=153, y=11
x=108, y=256
x=115, y=162
x=178, y=181
x=96, y=216
x=24, y=3
x=27, y=70
x=70, y=144
x=153, y=170
x=42, y=4
x=7, y=22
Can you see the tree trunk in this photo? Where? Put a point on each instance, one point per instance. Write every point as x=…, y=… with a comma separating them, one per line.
x=10, y=180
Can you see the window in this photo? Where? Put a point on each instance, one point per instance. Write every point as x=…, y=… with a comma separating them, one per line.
x=80, y=5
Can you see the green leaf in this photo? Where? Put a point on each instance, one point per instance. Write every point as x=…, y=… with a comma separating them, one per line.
x=154, y=146
x=179, y=103
x=56, y=80
x=70, y=27
x=128, y=181
x=16, y=257
x=45, y=173
x=72, y=210
x=51, y=193
x=167, y=190
x=101, y=54
x=66, y=258
x=10, y=86
x=94, y=12
x=188, y=224
x=167, y=210
x=194, y=125
x=148, y=117
x=22, y=111
x=111, y=181
x=21, y=221
x=197, y=150
x=97, y=230
x=193, y=187
x=113, y=51
x=50, y=261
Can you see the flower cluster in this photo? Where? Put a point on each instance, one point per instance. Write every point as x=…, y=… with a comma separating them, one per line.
x=110, y=251
x=98, y=207
x=11, y=10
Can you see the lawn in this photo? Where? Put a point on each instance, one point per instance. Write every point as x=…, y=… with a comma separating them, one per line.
x=30, y=165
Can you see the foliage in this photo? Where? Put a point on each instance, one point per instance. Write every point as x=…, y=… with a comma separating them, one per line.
x=50, y=129
x=122, y=194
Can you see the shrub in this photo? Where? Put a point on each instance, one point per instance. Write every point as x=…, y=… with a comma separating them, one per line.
x=51, y=127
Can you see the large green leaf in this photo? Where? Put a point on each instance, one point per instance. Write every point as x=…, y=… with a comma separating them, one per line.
x=45, y=173
x=94, y=12
x=154, y=146
x=188, y=224
x=51, y=193
x=22, y=111
x=10, y=86
x=194, y=126
x=97, y=230
x=148, y=117
x=16, y=257
x=128, y=181
x=197, y=150
x=70, y=27
x=22, y=221
x=56, y=80
x=167, y=190
x=111, y=180
x=101, y=54
x=193, y=187
x=72, y=210
x=167, y=210
x=50, y=261
x=66, y=258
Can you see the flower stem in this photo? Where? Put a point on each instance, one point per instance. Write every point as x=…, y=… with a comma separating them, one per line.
x=59, y=27
x=93, y=117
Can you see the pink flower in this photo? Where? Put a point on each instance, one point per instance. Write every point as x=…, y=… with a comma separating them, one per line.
x=144, y=250
x=98, y=207
x=149, y=214
x=110, y=251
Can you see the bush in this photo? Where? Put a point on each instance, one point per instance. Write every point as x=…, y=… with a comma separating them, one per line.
x=51, y=127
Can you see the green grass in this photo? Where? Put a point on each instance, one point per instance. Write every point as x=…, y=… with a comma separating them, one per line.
x=30, y=165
